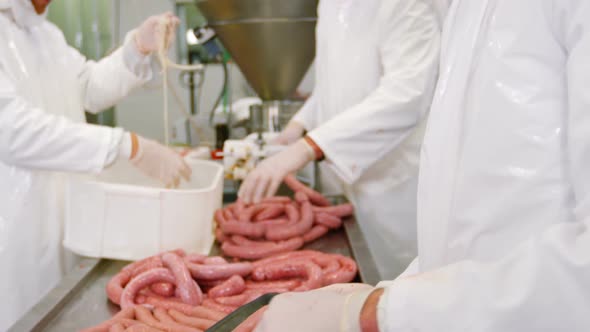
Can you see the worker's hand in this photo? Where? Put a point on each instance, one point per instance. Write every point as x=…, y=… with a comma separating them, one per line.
x=264, y=181
x=160, y=162
x=292, y=133
x=155, y=30
x=332, y=308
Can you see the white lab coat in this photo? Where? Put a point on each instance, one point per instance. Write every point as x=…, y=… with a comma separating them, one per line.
x=376, y=66
x=44, y=88
x=504, y=201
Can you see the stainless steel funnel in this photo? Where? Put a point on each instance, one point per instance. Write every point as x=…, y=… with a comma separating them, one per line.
x=272, y=41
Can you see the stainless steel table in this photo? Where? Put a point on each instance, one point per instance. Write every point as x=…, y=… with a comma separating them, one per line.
x=80, y=300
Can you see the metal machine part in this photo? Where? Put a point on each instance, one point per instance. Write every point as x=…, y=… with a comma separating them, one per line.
x=272, y=41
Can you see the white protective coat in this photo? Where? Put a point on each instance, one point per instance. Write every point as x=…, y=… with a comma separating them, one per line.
x=504, y=193
x=44, y=88
x=376, y=66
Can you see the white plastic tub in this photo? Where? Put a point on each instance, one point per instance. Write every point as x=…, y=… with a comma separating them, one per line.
x=122, y=214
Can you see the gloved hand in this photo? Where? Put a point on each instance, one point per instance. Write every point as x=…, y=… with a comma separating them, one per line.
x=333, y=308
x=293, y=132
x=160, y=162
x=264, y=181
x=149, y=34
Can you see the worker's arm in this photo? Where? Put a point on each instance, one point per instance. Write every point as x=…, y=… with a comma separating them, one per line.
x=543, y=285
x=32, y=138
x=105, y=82
x=365, y=133
x=306, y=115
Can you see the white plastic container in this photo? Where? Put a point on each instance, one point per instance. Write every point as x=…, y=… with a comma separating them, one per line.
x=122, y=214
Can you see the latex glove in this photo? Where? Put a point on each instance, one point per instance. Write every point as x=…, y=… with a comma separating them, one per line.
x=333, y=308
x=293, y=132
x=149, y=34
x=265, y=179
x=160, y=162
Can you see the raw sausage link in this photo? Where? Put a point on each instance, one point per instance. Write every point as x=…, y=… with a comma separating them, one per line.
x=116, y=285
x=315, y=233
x=287, y=284
x=163, y=289
x=234, y=285
x=251, y=322
x=273, y=222
x=243, y=228
x=298, y=229
x=186, y=288
x=117, y=327
x=145, y=316
x=286, y=256
x=200, y=312
x=346, y=273
x=257, y=252
x=141, y=281
x=142, y=328
x=342, y=210
x=216, y=272
x=292, y=213
x=277, y=200
x=315, y=197
x=270, y=212
x=209, y=303
x=164, y=318
x=214, y=260
x=312, y=273
x=219, y=235
x=328, y=220
x=196, y=322
x=233, y=301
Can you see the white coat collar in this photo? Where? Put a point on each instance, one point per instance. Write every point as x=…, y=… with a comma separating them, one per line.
x=23, y=12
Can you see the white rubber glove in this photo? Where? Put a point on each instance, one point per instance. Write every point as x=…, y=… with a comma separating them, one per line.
x=332, y=308
x=149, y=34
x=293, y=132
x=160, y=162
x=264, y=181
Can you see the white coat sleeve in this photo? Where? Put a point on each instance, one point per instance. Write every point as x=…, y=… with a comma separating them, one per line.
x=409, y=52
x=107, y=81
x=306, y=115
x=32, y=138
x=543, y=285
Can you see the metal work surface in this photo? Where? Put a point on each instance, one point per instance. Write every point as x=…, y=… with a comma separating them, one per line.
x=80, y=300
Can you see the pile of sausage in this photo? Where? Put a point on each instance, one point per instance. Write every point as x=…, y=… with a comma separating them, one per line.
x=177, y=292
x=277, y=224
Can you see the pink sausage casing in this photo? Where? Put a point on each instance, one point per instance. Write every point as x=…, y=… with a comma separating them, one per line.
x=116, y=285
x=163, y=289
x=342, y=210
x=186, y=288
x=315, y=233
x=270, y=212
x=243, y=228
x=315, y=197
x=329, y=220
x=232, y=286
x=186, y=309
x=141, y=281
x=258, y=252
x=346, y=273
x=293, y=230
x=276, y=200
x=217, y=272
x=251, y=322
